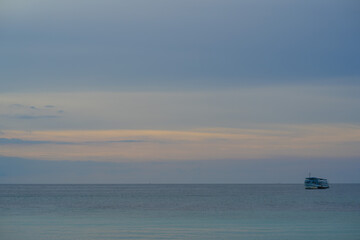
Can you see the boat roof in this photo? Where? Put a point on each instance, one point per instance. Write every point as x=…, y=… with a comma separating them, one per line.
x=313, y=178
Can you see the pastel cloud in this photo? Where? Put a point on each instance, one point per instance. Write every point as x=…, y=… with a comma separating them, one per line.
x=248, y=123
x=305, y=141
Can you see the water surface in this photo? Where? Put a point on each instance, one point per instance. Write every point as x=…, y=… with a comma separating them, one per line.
x=189, y=211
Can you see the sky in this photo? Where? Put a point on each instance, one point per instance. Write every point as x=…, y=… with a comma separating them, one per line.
x=179, y=91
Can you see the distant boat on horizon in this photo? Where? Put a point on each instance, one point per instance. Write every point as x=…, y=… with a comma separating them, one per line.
x=316, y=183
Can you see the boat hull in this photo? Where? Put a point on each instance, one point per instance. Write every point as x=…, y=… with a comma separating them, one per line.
x=321, y=187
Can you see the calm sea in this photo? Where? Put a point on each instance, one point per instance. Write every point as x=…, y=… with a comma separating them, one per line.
x=204, y=211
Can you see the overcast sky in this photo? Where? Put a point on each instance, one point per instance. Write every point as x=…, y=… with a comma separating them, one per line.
x=228, y=83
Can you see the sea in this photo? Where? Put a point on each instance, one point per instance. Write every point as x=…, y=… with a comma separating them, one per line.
x=179, y=211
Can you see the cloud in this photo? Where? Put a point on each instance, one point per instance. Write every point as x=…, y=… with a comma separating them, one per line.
x=236, y=108
x=307, y=141
x=16, y=105
x=30, y=117
x=116, y=141
x=18, y=141
x=30, y=112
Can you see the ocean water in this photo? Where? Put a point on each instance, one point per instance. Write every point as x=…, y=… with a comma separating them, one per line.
x=189, y=211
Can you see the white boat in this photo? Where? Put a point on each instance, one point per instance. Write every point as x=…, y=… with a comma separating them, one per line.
x=316, y=183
